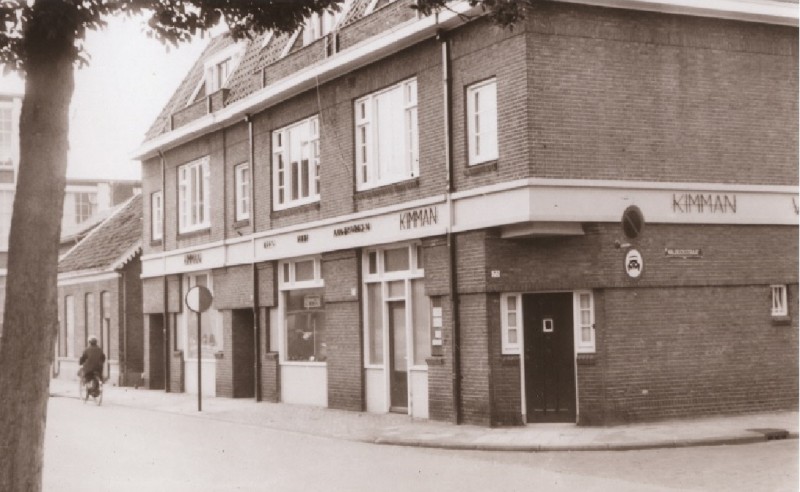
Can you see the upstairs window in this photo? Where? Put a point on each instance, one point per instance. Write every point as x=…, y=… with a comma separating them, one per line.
x=6, y=207
x=218, y=70
x=318, y=25
x=779, y=306
x=482, y=121
x=6, y=136
x=193, y=196
x=295, y=164
x=156, y=216
x=85, y=206
x=387, y=141
x=241, y=179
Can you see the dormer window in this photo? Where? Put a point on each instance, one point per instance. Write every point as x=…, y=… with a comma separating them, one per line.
x=318, y=25
x=218, y=69
x=219, y=75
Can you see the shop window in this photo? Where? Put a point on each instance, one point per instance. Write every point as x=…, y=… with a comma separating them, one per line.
x=779, y=305
x=211, y=340
x=241, y=178
x=302, y=308
x=295, y=164
x=511, y=323
x=193, y=196
x=387, y=141
x=156, y=216
x=584, y=321
x=482, y=121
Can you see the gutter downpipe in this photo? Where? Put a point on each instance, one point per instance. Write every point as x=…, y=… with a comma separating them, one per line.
x=256, y=309
x=165, y=321
x=124, y=326
x=451, y=244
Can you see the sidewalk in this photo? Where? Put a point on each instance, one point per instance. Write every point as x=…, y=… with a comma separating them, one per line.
x=401, y=430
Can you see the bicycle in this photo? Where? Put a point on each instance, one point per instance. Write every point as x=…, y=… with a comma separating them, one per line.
x=92, y=388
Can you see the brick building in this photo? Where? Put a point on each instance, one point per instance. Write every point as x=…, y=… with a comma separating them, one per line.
x=100, y=293
x=590, y=218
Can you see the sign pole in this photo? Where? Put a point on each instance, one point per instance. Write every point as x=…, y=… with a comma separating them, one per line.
x=199, y=369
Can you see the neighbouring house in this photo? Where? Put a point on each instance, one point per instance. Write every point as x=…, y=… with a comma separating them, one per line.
x=591, y=218
x=100, y=293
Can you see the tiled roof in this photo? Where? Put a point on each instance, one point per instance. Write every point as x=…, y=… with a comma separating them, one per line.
x=109, y=243
x=247, y=77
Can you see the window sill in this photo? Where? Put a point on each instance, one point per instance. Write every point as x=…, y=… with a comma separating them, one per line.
x=296, y=209
x=156, y=242
x=509, y=360
x=586, y=360
x=271, y=356
x=781, y=320
x=435, y=361
x=482, y=168
x=409, y=184
x=197, y=233
x=241, y=223
x=303, y=363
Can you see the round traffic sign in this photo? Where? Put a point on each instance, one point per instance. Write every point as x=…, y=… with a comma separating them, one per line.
x=198, y=299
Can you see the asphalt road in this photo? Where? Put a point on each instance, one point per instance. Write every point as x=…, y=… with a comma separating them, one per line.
x=115, y=448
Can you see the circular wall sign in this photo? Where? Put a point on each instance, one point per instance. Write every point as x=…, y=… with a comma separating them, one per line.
x=634, y=264
x=198, y=299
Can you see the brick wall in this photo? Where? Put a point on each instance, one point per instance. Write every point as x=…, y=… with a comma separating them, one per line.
x=134, y=323
x=345, y=363
x=176, y=374
x=81, y=330
x=153, y=295
x=617, y=94
x=233, y=287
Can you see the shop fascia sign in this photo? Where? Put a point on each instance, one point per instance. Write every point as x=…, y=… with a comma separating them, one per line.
x=405, y=224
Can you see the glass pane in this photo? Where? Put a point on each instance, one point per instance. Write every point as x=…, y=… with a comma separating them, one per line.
x=585, y=301
x=511, y=303
x=397, y=289
x=305, y=326
x=422, y=331
x=286, y=278
x=586, y=334
x=420, y=264
x=396, y=260
x=586, y=317
x=373, y=262
x=210, y=337
x=375, y=322
x=512, y=336
x=512, y=320
x=304, y=270
x=397, y=314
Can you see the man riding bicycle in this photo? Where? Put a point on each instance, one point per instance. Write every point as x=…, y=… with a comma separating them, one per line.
x=91, y=363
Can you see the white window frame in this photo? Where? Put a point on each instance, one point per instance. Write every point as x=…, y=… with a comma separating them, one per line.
x=367, y=138
x=201, y=207
x=581, y=346
x=6, y=211
x=214, y=80
x=508, y=347
x=320, y=25
x=282, y=156
x=780, y=306
x=290, y=283
x=482, y=122
x=9, y=160
x=157, y=215
x=241, y=180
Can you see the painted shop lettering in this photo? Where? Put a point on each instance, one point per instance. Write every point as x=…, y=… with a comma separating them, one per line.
x=269, y=243
x=703, y=203
x=422, y=217
x=352, y=229
x=795, y=205
x=302, y=238
x=192, y=259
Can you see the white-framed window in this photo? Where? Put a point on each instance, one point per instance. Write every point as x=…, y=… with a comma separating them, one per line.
x=302, y=338
x=241, y=181
x=193, y=196
x=219, y=67
x=295, y=164
x=7, y=137
x=583, y=315
x=482, y=121
x=387, y=140
x=318, y=25
x=6, y=209
x=394, y=294
x=211, y=330
x=85, y=206
x=156, y=216
x=511, y=323
x=779, y=304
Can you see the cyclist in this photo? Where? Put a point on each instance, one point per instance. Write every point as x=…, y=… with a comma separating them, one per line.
x=91, y=363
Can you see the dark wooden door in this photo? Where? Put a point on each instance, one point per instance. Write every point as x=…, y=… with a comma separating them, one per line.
x=549, y=357
x=398, y=357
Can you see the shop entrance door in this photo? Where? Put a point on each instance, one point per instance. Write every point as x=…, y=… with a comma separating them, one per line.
x=549, y=357
x=399, y=359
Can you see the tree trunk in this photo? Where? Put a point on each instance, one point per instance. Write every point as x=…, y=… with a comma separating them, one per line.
x=31, y=315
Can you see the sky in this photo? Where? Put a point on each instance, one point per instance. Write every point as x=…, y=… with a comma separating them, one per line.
x=129, y=79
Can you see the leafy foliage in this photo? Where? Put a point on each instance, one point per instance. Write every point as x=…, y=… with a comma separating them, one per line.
x=503, y=12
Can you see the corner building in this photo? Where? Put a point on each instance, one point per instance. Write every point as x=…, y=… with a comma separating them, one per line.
x=591, y=218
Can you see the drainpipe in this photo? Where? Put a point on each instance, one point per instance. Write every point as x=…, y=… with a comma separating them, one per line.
x=165, y=314
x=124, y=327
x=451, y=243
x=256, y=310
